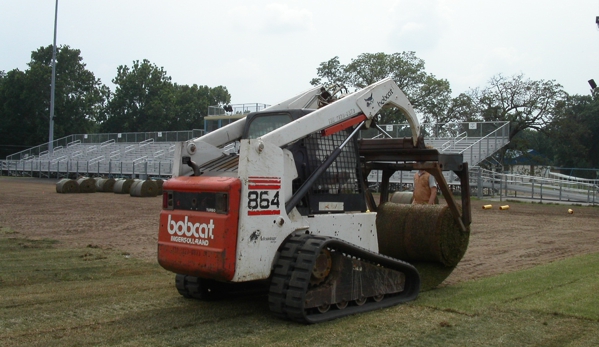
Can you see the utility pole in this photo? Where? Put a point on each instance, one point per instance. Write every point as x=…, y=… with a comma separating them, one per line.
x=53, y=86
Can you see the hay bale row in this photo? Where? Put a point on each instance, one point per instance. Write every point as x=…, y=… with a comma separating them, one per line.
x=424, y=235
x=147, y=188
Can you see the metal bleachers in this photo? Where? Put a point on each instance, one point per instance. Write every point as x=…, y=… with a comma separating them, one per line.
x=119, y=155
x=150, y=153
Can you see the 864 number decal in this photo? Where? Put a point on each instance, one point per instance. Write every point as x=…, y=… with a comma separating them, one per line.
x=263, y=195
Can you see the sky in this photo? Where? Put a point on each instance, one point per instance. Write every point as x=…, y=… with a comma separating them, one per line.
x=268, y=51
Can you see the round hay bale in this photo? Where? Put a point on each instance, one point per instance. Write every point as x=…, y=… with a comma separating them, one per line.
x=402, y=197
x=66, y=186
x=86, y=185
x=122, y=186
x=159, y=183
x=105, y=185
x=147, y=188
x=422, y=234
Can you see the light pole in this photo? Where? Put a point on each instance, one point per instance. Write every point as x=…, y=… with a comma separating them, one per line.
x=53, y=86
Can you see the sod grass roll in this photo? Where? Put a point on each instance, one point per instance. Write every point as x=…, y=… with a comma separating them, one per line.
x=66, y=186
x=122, y=186
x=159, y=183
x=425, y=235
x=141, y=188
x=86, y=185
x=105, y=185
x=431, y=274
x=402, y=197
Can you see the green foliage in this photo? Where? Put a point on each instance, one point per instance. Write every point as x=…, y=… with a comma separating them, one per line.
x=575, y=132
x=142, y=100
x=525, y=103
x=145, y=99
x=25, y=99
x=429, y=95
x=566, y=287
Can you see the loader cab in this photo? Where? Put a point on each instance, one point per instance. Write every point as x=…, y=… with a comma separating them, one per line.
x=340, y=188
x=261, y=123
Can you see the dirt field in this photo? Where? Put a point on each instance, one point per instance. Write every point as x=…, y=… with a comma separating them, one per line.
x=501, y=241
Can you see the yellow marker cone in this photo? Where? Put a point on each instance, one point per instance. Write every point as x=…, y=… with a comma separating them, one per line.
x=504, y=207
x=570, y=211
x=487, y=207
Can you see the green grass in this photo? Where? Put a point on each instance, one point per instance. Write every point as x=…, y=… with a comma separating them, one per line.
x=52, y=296
x=567, y=287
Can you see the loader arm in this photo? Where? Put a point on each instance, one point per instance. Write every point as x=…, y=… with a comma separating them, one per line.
x=368, y=101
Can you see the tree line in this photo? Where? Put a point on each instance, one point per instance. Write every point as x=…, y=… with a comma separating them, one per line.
x=564, y=128
x=144, y=99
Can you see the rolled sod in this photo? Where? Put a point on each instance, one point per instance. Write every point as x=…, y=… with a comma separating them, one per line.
x=141, y=188
x=425, y=235
x=122, y=186
x=431, y=274
x=105, y=185
x=159, y=183
x=402, y=197
x=66, y=186
x=86, y=185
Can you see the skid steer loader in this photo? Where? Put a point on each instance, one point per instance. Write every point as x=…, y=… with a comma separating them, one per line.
x=290, y=209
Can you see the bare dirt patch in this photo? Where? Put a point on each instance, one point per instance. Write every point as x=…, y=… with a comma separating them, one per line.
x=501, y=241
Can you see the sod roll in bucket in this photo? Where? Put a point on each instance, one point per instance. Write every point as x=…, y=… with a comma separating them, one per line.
x=66, y=186
x=402, y=197
x=86, y=185
x=425, y=235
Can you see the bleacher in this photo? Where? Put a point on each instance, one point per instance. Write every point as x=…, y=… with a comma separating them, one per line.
x=151, y=153
x=117, y=156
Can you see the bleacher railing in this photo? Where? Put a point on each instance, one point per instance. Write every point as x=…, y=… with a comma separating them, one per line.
x=106, y=138
x=236, y=109
x=436, y=131
x=506, y=186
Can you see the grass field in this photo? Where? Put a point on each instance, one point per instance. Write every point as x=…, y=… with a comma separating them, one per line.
x=54, y=296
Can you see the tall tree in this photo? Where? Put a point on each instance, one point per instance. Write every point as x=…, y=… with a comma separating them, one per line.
x=525, y=103
x=575, y=132
x=25, y=98
x=18, y=126
x=145, y=99
x=192, y=104
x=429, y=95
x=142, y=100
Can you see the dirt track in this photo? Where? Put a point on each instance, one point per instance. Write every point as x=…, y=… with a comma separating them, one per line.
x=501, y=241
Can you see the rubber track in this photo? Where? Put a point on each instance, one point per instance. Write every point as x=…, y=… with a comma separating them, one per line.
x=291, y=278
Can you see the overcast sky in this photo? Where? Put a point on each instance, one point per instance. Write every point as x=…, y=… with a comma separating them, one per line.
x=267, y=51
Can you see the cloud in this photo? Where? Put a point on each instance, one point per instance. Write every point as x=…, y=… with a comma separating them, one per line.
x=419, y=25
x=273, y=19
